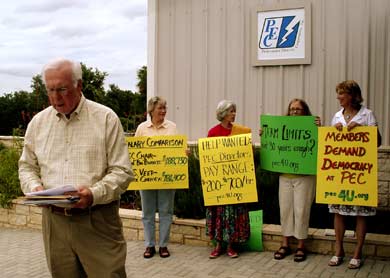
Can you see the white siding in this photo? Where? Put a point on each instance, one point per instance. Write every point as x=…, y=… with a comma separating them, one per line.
x=201, y=53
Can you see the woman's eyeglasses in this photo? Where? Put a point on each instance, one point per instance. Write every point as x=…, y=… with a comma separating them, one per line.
x=294, y=110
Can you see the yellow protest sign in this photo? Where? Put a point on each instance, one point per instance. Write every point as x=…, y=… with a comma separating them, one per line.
x=347, y=166
x=227, y=170
x=159, y=162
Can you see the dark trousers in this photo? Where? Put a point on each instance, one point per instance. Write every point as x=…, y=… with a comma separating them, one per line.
x=89, y=244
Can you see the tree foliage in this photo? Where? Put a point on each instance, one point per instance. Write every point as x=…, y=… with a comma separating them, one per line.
x=93, y=83
x=39, y=94
x=18, y=108
x=142, y=80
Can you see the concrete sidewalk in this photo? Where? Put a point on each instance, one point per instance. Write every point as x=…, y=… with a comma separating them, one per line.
x=22, y=255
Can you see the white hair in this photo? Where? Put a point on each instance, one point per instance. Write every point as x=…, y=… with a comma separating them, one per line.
x=77, y=73
x=152, y=103
x=223, y=108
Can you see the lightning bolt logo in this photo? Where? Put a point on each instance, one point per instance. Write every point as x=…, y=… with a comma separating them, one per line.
x=289, y=29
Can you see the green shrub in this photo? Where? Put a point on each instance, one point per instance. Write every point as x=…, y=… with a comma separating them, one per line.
x=9, y=180
x=131, y=199
x=189, y=202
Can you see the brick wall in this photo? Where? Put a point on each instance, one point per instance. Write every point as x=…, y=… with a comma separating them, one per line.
x=384, y=178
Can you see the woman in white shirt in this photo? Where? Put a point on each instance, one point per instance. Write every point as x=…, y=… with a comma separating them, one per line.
x=163, y=199
x=352, y=114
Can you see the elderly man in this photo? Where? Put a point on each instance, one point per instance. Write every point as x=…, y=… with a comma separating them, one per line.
x=78, y=142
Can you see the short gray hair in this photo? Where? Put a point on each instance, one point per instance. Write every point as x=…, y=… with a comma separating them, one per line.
x=77, y=73
x=223, y=108
x=152, y=103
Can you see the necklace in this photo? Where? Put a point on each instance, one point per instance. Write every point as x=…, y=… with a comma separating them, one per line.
x=349, y=115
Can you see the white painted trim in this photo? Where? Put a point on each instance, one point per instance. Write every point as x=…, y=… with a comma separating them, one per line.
x=152, y=48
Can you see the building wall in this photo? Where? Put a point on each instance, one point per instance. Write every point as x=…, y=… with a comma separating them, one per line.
x=199, y=53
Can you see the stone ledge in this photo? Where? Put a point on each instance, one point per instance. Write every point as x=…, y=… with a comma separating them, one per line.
x=130, y=213
x=192, y=232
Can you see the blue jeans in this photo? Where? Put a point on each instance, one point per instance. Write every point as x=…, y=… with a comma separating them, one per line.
x=153, y=201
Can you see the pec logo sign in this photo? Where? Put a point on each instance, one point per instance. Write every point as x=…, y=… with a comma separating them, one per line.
x=279, y=32
x=282, y=36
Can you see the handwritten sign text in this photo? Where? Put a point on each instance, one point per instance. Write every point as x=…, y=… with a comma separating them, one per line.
x=159, y=162
x=227, y=170
x=347, y=166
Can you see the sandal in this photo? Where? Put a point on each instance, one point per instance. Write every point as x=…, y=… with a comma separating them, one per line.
x=336, y=261
x=300, y=257
x=282, y=252
x=149, y=252
x=355, y=263
x=163, y=251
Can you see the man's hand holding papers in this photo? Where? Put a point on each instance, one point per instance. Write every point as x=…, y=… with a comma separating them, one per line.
x=58, y=195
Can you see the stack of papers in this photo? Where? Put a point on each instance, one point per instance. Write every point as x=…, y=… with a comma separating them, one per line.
x=59, y=195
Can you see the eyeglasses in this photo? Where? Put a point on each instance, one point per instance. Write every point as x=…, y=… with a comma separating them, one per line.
x=61, y=90
x=296, y=109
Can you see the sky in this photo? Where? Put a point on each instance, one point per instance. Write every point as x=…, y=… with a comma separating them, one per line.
x=109, y=35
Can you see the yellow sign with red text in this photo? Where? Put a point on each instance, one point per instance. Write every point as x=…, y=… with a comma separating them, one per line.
x=347, y=171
